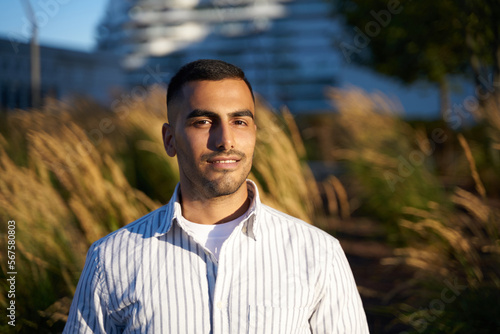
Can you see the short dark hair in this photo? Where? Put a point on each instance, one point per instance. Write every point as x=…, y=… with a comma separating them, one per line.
x=204, y=69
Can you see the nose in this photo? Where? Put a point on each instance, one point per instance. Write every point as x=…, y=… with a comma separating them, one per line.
x=224, y=137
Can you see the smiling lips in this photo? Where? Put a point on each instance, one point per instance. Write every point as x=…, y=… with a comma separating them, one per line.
x=224, y=162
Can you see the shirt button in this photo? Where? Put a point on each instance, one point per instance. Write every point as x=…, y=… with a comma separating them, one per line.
x=220, y=305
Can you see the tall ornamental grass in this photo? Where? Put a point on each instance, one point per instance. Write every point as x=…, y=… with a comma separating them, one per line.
x=426, y=186
x=388, y=163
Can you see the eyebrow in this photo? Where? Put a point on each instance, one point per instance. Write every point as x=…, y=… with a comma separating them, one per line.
x=210, y=114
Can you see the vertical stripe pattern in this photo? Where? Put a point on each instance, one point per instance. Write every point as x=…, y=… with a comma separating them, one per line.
x=275, y=274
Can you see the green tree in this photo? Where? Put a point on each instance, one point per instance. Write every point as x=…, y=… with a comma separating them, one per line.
x=482, y=38
x=425, y=39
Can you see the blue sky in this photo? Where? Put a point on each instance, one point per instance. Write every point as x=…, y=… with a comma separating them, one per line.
x=63, y=23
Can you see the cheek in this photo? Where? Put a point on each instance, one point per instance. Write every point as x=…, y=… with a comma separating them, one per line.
x=194, y=145
x=250, y=140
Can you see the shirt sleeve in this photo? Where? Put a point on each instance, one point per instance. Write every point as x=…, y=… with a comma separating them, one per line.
x=88, y=312
x=340, y=309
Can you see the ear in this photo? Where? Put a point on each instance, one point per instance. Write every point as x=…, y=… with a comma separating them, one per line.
x=169, y=140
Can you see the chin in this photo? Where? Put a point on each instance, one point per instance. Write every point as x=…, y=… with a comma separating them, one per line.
x=223, y=186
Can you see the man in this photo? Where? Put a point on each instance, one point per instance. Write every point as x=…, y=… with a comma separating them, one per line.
x=215, y=259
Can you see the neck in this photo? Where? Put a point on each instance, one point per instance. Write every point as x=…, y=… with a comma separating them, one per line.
x=218, y=210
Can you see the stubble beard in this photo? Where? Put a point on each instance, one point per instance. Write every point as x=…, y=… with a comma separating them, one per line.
x=226, y=184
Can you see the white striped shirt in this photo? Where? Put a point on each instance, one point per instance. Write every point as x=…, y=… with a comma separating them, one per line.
x=275, y=274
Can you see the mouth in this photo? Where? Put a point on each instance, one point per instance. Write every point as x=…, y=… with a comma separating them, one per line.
x=228, y=161
x=224, y=162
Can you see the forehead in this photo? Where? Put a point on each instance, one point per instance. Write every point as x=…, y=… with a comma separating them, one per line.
x=230, y=94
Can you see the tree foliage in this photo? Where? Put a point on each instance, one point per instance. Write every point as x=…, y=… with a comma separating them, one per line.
x=424, y=39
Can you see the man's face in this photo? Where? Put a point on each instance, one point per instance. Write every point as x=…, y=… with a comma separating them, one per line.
x=213, y=135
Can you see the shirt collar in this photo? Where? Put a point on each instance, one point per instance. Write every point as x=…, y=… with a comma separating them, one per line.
x=248, y=224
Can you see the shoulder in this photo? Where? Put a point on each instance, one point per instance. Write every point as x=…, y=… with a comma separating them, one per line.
x=297, y=228
x=142, y=228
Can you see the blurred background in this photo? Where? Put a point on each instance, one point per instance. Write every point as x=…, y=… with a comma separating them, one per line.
x=386, y=115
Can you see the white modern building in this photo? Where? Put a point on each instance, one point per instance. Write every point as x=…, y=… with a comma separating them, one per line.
x=285, y=47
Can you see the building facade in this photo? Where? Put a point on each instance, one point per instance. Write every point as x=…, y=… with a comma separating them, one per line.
x=64, y=73
x=285, y=47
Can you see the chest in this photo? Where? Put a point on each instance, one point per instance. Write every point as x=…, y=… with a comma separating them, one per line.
x=175, y=285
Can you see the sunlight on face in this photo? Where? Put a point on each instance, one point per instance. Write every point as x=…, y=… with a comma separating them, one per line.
x=214, y=136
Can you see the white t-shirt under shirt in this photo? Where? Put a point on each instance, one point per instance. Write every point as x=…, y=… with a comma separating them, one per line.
x=212, y=236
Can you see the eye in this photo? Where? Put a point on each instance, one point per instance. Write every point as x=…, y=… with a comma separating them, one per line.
x=240, y=122
x=201, y=122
